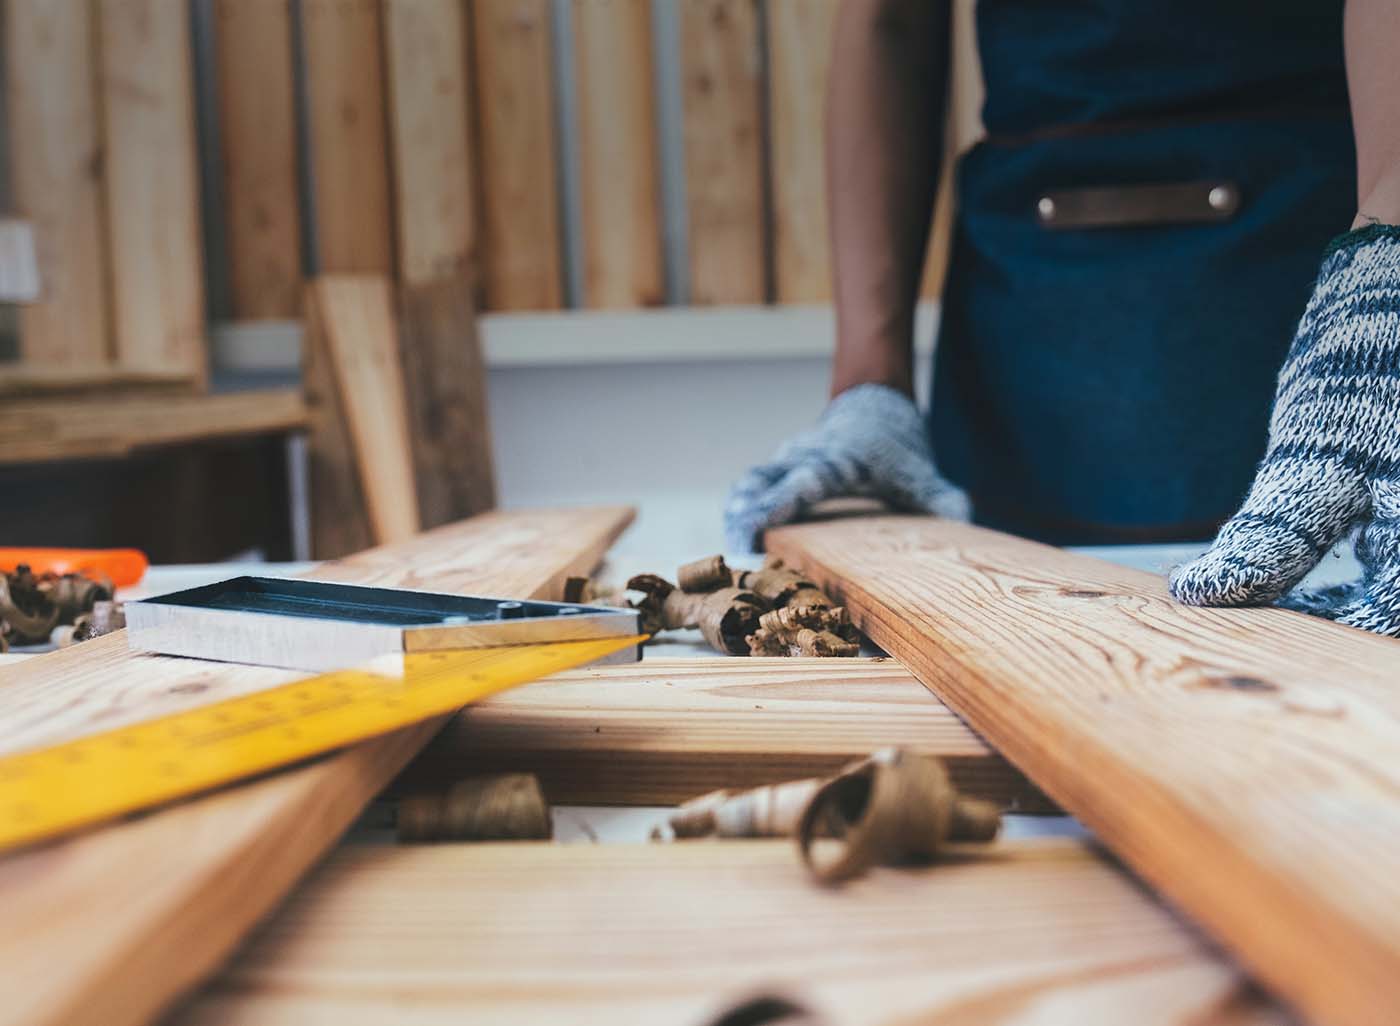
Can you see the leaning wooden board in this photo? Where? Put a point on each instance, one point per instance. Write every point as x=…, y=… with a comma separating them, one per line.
x=110, y=926
x=1247, y=761
x=665, y=730
x=1045, y=933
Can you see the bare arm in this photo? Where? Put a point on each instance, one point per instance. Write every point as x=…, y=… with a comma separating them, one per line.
x=885, y=107
x=1373, y=78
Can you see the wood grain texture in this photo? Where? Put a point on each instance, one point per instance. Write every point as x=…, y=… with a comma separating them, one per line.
x=426, y=47
x=258, y=150
x=339, y=512
x=1045, y=933
x=97, y=425
x=356, y=334
x=449, y=430
x=343, y=53
x=110, y=926
x=55, y=148
x=152, y=180
x=665, y=730
x=619, y=185
x=799, y=60
x=522, y=259
x=1245, y=761
x=721, y=62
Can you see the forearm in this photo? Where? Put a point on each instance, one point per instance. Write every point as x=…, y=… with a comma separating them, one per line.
x=885, y=104
x=1373, y=79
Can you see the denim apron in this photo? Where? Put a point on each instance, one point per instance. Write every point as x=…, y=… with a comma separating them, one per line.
x=1108, y=378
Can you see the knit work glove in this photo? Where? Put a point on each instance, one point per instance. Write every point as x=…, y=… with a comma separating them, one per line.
x=870, y=441
x=1333, y=460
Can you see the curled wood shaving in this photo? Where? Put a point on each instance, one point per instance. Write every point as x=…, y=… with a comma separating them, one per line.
x=501, y=807
x=888, y=809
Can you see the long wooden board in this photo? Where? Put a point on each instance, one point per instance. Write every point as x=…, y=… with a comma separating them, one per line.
x=425, y=43
x=1042, y=932
x=55, y=155
x=94, y=426
x=799, y=61
x=356, y=334
x=619, y=183
x=347, y=132
x=522, y=260
x=722, y=84
x=665, y=730
x=109, y=927
x=152, y=180
x=1247, y=762
x=257, y=121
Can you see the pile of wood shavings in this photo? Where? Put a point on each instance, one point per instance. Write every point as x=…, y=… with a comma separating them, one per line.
x=772, y=611
x=37, y=609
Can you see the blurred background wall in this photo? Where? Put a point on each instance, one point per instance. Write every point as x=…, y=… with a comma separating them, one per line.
x=634, y=192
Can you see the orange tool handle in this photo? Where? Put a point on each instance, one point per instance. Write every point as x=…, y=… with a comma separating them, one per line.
x=124, y=566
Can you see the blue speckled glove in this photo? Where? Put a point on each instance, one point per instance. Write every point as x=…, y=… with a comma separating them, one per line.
x=871, y=441
x=1333, y=461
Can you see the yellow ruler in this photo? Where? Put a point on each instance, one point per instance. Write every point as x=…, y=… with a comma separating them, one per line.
x=50, y=791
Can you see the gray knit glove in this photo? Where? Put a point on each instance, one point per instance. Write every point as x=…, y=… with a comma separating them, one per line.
x=871, y=441
x=1333, y=460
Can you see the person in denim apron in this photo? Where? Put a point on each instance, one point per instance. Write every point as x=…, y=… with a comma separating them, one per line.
x=1136, y=245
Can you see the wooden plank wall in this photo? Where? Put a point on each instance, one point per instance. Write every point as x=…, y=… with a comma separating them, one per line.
x=418, y=139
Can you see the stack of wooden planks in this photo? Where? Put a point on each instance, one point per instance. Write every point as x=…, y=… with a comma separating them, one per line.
x=110, y=926
x=1244, y=761
x=1241, y=760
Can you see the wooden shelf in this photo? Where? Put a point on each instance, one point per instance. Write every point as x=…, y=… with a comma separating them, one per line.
x=91, y=426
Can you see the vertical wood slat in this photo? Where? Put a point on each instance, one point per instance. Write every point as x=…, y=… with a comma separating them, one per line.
x=152, y=185
x=352, y=352
x=257, y=118
x=54, y=152
x=964, y=128
x=521, y=250
x=619, y=184
x=721, y=76
x=799, y=60
x=426, y=55
x=445, y=401
x=343, y=53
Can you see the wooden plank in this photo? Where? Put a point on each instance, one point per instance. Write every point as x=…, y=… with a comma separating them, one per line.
x=339, y=511
x=343, y=54
x=91, y=426
x=426, y=48
x=257, y=121
x=666, y=730
x=1242, y=760
x=356, y=335
x=522, y=259
x=721, y=61
x=152, y=185
x=799, y=60
x=111, y=926
x=55, y=160
x=449, y=429
x=619, y=185
x=1043, y=932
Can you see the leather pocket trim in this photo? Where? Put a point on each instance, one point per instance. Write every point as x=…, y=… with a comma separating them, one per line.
x=1122, y=206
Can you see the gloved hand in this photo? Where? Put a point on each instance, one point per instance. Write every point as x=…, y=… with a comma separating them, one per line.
x=870, y=441
x=1333, y=460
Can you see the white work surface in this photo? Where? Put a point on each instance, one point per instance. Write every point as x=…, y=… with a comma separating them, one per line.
x=662, y=540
